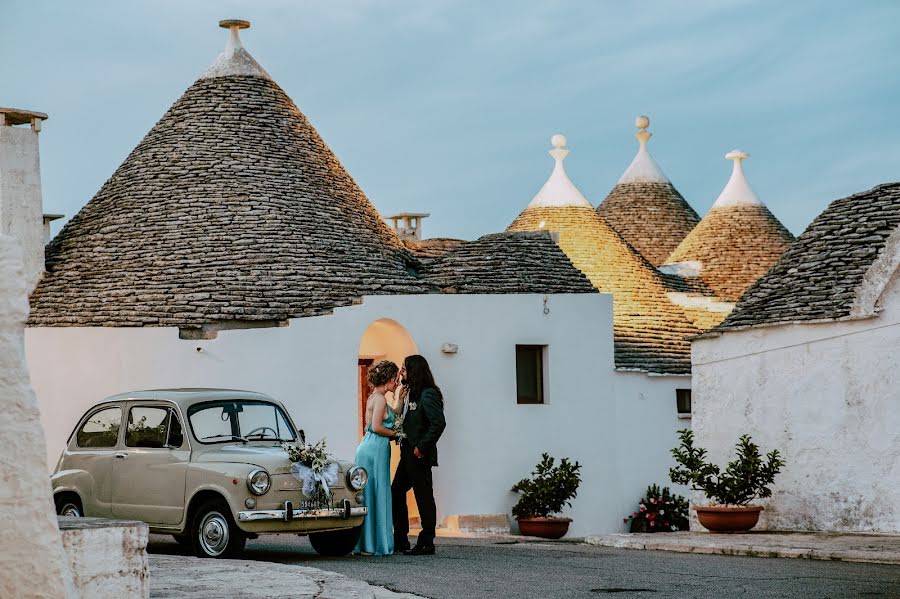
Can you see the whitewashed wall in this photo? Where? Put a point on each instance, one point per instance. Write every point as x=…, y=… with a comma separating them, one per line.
x=828, y=397
x=490, y=441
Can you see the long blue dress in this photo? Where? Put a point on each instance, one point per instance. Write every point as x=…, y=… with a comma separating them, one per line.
x=374, y=454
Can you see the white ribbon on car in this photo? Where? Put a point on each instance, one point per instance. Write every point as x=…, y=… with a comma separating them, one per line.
x=327, y=477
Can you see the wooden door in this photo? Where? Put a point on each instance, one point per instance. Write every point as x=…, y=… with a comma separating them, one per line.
x=363, y=367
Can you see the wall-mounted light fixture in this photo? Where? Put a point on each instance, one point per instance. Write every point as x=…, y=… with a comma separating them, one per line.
x=449, y=348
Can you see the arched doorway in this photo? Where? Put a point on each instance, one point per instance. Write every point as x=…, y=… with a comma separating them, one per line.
x=384, y=339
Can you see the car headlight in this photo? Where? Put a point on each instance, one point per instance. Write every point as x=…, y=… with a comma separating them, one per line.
x=357, y=478
x=258, y=482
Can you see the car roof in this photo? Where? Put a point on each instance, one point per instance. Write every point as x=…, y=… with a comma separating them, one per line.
x=185, y=397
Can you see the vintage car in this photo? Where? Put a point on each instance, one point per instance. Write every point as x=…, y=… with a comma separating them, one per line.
x=206, y=466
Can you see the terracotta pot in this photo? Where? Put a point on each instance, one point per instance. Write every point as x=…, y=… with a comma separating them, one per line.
x=546, y=528
x=728, y=518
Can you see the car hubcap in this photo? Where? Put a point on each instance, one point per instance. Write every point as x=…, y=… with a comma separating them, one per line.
x=70, y=510
x=214, y=533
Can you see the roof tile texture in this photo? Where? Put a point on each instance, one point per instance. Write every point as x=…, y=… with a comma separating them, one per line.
x=507, y=263
x=736, y=246
x=232, y=207
x=818, y=277
x=652, y=216
x=650, y=331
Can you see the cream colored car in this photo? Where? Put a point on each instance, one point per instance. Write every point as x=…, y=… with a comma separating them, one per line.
x=204, y=465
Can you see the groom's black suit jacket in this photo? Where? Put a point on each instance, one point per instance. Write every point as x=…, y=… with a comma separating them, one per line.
x=424, y=424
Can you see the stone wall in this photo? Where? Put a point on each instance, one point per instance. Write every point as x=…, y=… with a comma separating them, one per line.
x=21, y=210
x=107, y=558
x=826, y=395
x=32, y=563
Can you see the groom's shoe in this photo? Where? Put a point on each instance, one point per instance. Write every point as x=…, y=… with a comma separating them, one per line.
x=420, y=550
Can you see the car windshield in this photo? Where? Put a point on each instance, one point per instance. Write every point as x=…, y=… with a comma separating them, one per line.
x=240, y=420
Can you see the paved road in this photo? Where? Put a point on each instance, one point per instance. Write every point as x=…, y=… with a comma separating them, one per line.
x=476, y=569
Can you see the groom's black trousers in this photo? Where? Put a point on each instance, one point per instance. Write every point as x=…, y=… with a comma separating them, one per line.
x=413, y=473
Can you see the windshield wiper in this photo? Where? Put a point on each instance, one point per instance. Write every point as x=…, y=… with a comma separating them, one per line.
x=232, y=437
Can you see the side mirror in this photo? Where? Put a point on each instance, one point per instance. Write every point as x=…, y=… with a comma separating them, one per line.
x=302, y=436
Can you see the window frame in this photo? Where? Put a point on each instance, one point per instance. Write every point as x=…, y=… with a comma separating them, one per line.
x=679, y=394
x=171, y=408
x=91, y=413
x=542, y=351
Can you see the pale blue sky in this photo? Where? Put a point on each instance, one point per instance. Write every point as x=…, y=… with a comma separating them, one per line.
x=448, y=106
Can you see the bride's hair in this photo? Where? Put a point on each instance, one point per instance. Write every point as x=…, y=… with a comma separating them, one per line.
x=382, y=373
x=418, y=376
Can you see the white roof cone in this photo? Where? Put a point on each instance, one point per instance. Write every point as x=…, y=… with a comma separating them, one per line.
x=737, y=191
x=234, y=60
x=558, y=190
x=643, y=169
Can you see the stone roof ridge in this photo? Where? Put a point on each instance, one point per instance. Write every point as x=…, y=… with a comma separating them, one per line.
x=559, y=189
x=234, y=59
x=737, y=191
x=643, y=169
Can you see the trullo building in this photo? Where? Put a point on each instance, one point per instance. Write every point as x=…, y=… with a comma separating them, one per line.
x=231, y=249
x=735, y=243
x=809, y=363
x=645, y=208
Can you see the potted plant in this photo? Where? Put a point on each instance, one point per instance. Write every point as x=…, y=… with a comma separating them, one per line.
x=659, y=511
x=744, y=479
x=544, y=494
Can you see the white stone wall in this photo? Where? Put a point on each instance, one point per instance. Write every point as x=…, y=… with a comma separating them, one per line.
x=107, y=558
x=490, y=442
x=32, y=563
x=828, y=397
x=21, y=210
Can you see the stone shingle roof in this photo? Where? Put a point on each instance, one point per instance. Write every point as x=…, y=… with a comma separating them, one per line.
x=427, y=249
x=735, y=246
x=823, y=273
x=650, y=331
x=231, y=208
x=652, y=216
x=507, y=263
x=645, y=208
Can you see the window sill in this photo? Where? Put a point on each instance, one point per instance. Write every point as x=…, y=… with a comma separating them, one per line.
x=684, y=416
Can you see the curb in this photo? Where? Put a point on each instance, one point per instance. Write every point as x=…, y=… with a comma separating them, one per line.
x=755, y=545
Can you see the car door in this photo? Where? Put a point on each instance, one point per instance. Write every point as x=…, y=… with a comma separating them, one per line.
x=96, y=441
x=150, y=471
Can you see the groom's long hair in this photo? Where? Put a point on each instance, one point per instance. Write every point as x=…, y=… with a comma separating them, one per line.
x=418, y=376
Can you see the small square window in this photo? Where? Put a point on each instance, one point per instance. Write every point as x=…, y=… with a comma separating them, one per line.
x=683, y=402
x=530, y=378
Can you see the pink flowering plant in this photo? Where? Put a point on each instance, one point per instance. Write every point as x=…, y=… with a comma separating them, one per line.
x=659, y=510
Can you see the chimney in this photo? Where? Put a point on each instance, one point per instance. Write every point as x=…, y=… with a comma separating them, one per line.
x=407, y=225
x=21, y=213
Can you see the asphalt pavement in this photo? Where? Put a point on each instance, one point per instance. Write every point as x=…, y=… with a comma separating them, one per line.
x=466, y=568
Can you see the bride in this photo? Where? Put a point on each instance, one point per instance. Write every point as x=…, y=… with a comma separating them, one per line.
x=374, y=454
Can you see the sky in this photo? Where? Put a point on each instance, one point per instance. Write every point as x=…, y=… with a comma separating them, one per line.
x=448, y=106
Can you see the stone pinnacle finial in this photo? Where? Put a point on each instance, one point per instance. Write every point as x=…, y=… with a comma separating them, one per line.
x=642, y=122
x=559, y=151
x=737, y=191
x=235, y=25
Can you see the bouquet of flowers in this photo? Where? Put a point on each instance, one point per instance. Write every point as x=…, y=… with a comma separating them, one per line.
x=312, y=467
x=659, y=511
x=398, y=428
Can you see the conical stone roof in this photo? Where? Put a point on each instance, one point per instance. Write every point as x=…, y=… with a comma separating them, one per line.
x=737, y=241
x=650, y=332
x=232, y=208
x=645, y=208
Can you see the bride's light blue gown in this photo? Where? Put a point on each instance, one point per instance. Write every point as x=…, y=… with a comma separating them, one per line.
x=374, y=454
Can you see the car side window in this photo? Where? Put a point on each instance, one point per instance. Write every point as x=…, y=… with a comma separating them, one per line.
x=101, y=430
x=176, y=433
x=147, y=427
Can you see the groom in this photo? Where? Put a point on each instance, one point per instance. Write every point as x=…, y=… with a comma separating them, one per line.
x=423, y=423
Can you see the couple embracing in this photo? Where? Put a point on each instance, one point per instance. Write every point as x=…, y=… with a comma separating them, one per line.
x=416, y=426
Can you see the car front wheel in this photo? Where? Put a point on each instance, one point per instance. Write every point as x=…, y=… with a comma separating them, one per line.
x=335, y=543
x=68, y=506
x=214, y=533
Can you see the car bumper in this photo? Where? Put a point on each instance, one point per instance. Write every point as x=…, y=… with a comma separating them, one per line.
x=290, y=514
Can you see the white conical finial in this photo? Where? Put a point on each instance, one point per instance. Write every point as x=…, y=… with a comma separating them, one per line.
x=737, y=191
x=643, y=169
x=558, y=190
x=234, y=60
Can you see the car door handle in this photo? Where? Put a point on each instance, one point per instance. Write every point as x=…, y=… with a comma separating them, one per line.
x=122, y=455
